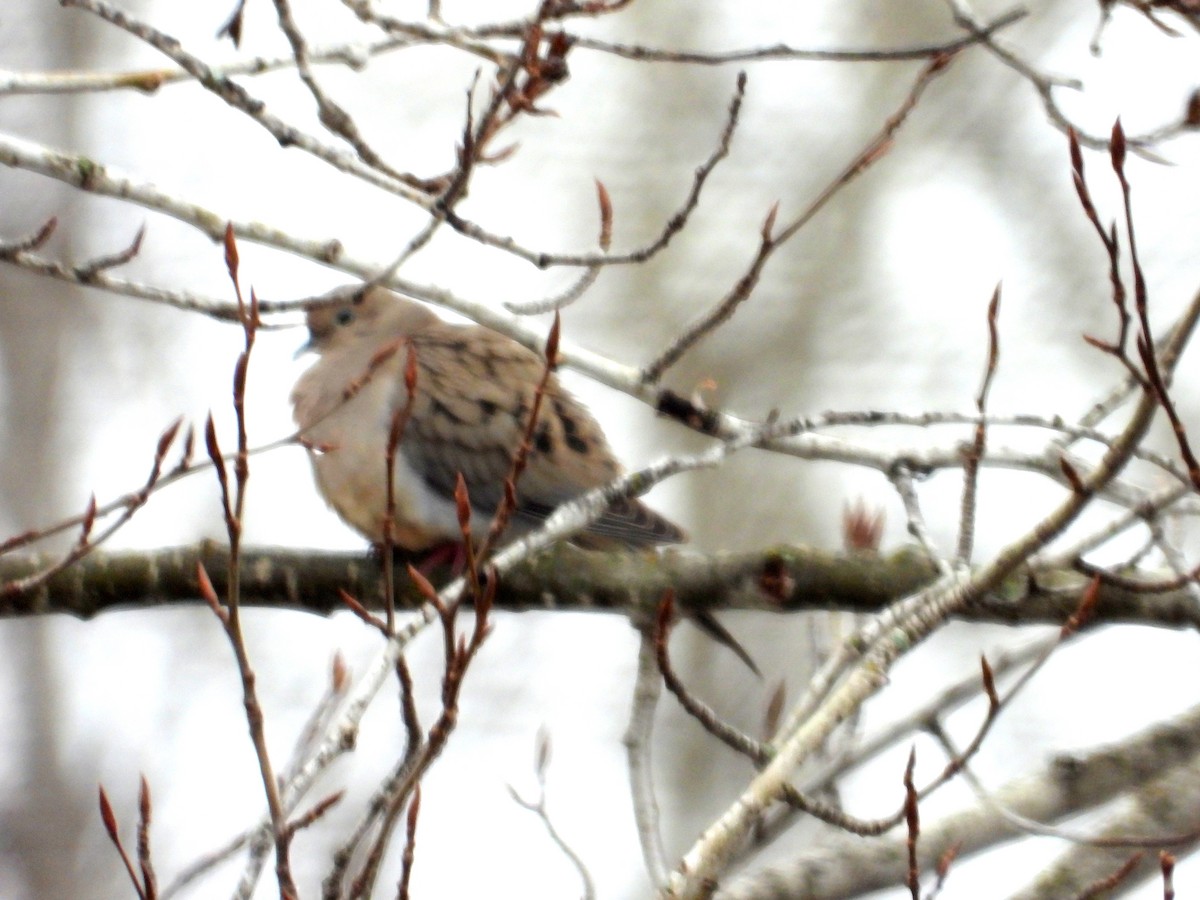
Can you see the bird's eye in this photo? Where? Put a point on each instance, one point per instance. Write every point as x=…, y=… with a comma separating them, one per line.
x=344, y=316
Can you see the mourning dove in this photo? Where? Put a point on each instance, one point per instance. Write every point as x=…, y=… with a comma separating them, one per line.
x=474, y=392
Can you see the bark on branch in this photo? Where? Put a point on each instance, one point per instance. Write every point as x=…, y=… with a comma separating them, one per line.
x=782, y=579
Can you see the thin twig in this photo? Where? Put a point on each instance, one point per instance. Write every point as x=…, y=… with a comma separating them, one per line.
x=967, y=506
x=770, y=239
x=638, y=753
x=538, y=807
x=241, y=100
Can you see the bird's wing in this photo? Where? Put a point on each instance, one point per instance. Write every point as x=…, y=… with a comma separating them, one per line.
x=474, y=394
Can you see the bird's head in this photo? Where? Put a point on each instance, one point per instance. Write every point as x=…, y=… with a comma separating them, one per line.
x=364, y=317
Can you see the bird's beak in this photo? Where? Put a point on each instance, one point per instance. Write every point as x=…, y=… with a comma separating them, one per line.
x=306, y=347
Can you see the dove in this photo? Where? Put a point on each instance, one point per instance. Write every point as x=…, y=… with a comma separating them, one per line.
x=474, y=393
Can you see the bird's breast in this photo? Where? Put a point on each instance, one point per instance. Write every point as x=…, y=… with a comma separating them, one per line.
x=347, y=441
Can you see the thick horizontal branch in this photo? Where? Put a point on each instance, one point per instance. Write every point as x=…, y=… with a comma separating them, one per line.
x=783, y=579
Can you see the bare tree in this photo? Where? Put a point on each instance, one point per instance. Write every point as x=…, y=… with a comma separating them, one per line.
x=729, y=218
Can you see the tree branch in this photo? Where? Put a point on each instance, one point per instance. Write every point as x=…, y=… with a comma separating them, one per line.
x=562, y=577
